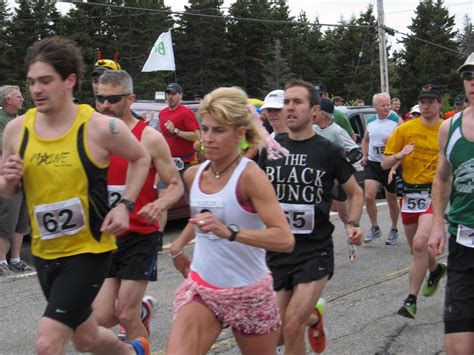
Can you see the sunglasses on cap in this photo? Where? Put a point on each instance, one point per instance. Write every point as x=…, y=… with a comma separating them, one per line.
x=112, y=99
x=467, y=75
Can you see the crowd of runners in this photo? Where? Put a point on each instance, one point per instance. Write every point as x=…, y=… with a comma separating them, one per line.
x=96, y=182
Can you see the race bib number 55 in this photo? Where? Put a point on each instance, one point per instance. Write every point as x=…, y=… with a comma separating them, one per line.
x=60, y=218
x=299, y=217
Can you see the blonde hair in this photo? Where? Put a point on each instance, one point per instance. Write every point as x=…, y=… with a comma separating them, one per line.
x=228, y=106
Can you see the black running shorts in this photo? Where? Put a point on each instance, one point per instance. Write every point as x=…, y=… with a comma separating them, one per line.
x=70, y=285
x=136, y=257
x=288, y=276
x=374, y=171
x=459, y=302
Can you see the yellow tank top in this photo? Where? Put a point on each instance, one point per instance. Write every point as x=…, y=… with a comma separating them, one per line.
x=419, y=167
x=65, y=189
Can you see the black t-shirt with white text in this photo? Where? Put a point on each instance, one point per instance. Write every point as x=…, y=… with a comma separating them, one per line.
x=303, y=183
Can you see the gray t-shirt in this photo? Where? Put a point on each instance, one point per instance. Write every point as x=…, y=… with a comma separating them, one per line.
x=337, y=135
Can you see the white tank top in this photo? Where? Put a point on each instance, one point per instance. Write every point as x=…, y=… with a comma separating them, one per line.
x=379, y=130
x=219, y=262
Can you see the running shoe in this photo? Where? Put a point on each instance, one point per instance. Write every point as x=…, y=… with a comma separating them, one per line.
x=408, y=310
x=432, y=283
x=316, y=335
x=141, y=346
x=20, y=266
x=122, y=333
x=4, y=270
x=374, y=233
x=392, y=237
x=148, y=305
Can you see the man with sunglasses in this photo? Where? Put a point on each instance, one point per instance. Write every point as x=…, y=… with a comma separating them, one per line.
x=414, y=145
x=454, y=183
x=135, y=262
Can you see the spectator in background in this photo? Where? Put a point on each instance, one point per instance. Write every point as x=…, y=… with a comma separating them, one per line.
x=181, y=129
x=13, y=213
x=338, y=116
x=360, y=103
x=395, y=105
x=460, y=103
x=199, y=95
x=413, y=113
x=338, y=101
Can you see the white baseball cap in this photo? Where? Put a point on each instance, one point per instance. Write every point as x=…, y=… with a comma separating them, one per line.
x=415, y=108
x=469, y=61
x=273, y=100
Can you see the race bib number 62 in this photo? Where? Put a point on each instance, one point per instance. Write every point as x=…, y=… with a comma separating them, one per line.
x=60, y=218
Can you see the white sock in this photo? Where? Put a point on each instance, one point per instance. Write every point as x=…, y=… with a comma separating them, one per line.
x=280, y=349
x=14, y=260
x=3, y=262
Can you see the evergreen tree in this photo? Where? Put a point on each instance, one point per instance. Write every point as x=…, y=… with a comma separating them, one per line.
x=307, y=52
x=250, y=44
x=201, y=47
x=6, y=62
x=466, y=38
x=419, y=62
x=22, y=35
x=275, y=72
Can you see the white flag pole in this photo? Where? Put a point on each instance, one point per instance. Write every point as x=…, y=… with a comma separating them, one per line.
x=161, y=57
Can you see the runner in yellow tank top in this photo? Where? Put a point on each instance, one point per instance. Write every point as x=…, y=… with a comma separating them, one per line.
x=415, y=145
x=66, y=150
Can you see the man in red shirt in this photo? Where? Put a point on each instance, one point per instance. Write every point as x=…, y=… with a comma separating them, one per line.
x=179, y=126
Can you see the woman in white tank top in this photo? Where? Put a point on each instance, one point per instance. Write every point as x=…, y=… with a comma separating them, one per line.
x=235, y=217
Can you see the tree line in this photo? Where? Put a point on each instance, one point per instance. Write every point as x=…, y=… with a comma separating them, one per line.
x=254, y=44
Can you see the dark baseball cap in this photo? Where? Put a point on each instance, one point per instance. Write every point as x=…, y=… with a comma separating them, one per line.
x=327, y=106
x=174, y=88
x=320, y=87
x=460, y=99
x=430, y=91
x=199, y=94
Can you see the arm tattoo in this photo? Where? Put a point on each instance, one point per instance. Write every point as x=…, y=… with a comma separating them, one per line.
x=112, y=123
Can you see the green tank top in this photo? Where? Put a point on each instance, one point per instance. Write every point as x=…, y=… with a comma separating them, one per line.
x=460, y=154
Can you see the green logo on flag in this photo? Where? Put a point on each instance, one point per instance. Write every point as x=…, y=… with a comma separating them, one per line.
x=160, y=48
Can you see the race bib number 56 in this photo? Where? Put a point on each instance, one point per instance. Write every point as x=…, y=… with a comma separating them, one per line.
x=416, y=203
x=299, y=217
x=60, y=218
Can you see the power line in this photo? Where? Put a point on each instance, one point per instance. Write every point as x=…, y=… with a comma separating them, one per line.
x=249, y=19
x=425, y=41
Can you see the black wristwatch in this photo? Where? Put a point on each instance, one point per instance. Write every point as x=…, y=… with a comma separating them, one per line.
x=175, y=131
x=129, y=204
x=234, y=229
x=353, y=223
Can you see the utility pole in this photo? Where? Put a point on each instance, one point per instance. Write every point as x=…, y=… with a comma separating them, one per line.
x=382, y=48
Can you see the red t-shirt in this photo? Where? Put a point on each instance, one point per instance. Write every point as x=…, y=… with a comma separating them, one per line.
x=184, y=120
x=116, y=177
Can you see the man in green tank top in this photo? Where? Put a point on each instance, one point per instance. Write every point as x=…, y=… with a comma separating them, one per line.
x=454, y=182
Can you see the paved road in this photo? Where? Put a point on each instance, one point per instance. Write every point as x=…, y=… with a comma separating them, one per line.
x=362, y=300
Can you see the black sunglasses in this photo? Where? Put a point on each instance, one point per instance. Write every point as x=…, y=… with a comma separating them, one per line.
x=112, y=99
x=467, y=75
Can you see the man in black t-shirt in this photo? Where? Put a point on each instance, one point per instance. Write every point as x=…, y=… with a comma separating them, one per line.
x=303, y=182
